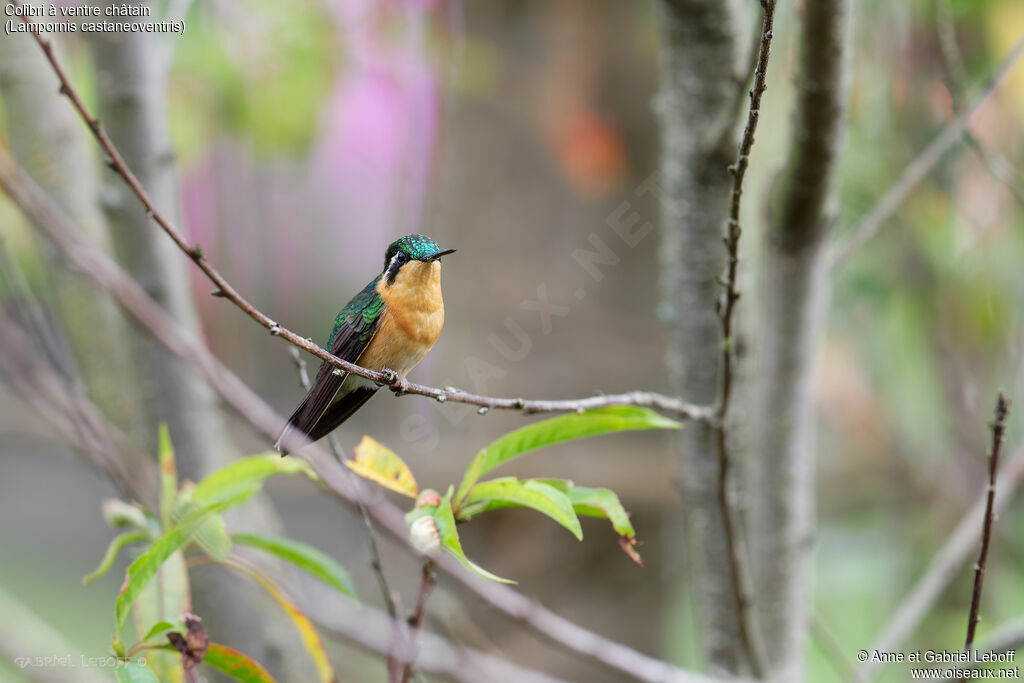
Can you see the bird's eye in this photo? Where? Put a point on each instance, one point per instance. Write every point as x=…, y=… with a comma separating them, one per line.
x=402, y=257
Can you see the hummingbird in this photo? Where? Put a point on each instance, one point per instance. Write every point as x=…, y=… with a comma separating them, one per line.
x=390, y=325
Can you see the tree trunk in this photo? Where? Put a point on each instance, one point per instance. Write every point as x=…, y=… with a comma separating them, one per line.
x=696, y=105
x=131, y=85
x=50, y=143
x=793, y=298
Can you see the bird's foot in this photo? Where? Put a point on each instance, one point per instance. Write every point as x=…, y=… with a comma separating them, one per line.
x=395, y=382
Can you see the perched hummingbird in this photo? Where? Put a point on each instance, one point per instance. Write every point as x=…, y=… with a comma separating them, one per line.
x=390, y=325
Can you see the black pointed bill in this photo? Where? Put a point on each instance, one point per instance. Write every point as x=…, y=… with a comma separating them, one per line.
x=439, y=254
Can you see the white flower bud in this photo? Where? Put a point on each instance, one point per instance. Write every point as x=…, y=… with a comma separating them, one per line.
x=424, y=536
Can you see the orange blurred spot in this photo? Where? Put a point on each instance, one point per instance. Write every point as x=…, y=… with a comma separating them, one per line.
x=591, y=153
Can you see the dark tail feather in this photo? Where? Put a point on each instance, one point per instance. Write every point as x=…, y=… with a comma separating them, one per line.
x=323, y=424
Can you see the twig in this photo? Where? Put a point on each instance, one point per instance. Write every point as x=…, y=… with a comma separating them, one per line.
x=834, y=650
x=946, y=564
x=872, y=221
x=998, y=430
x=953, y=59
x=1008, y=638
x=427, y=581
x=371, y=533
x=739, y=569
x=339, y=480
x=665, y=404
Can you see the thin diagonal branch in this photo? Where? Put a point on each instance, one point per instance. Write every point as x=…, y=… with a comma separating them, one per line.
x=665, y=404
x=371, y=532
x=871, y=222
x=427, y=581
x=952, y=58
x=739, y=565
x=998, y=430
x=339, y=480
x=945, y=565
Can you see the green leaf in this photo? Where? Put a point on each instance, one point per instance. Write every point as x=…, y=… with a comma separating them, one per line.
x=235, y=664
x=450, y=539
x=602, y=503
x=145, y=567
x=557, y=430
x=168, y=476
x=165, y=599
x=110, y=555
x=305, y=557
x=133, y=672
x=212, y=535
x=161, y=627
x=246, y=476
x=537, y=495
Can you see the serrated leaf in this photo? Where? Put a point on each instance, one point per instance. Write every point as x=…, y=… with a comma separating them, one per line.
x=246, y=476
x=110, y=555
x=133, y=672
x=235, y=664
x=557, y=430
x=305, y=557
x=602, y=503
x=168, y=475
x=310, y=638
x=533, y=494
x=449, y=535
x=145, y=567
x=376, y=462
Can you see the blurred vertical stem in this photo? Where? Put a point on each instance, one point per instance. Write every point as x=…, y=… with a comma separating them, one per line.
x=696, y=107
x=52, y=146
x=131, y=84
x=131, y=79
x=793, y=300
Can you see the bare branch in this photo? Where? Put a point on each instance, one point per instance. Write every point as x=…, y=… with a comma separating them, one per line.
x=953, y=60
x=946, y=563
x=371, y=532
x=872, y=221
x=1007, y=638
x=998, y=430
x=739, y=566
x=339, y=480
x=665, y=404
x=427, y=582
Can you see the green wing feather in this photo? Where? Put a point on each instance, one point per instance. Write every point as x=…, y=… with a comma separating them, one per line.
x=322, y=409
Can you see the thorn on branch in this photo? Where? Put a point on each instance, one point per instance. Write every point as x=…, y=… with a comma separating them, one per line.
x=218, y=293
x=63, y=90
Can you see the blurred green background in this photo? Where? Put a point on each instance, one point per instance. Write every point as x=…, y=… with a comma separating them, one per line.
x=308, y=135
